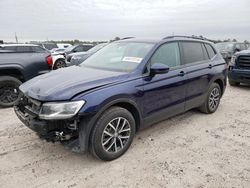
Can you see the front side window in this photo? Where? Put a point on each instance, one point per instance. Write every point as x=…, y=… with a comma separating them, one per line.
x=168, y=54
x=192, y=52
x=78, y=49
x=119, y=56
x=86, y=48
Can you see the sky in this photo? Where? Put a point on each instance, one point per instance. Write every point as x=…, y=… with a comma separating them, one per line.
x=105, y=19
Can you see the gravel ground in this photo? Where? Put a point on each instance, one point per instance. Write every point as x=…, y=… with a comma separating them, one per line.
x=189, y=150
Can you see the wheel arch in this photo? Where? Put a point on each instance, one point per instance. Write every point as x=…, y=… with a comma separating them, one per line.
x=13, y=72
x=220, y=82
x=89, y=121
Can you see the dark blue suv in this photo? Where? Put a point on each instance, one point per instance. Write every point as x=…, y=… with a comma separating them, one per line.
x=126, y=86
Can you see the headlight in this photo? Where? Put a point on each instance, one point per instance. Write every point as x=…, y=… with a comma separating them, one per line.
x=232, y=62
x=60, y=110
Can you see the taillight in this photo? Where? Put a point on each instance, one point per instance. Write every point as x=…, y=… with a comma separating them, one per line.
x=49, y=61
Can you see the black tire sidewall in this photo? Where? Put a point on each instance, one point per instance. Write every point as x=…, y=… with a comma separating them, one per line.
x=96, y=138
x=56, y=64
x=214, y=85
x=12, y=80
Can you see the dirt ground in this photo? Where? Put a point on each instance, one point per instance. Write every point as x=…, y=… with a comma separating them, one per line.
x=189, y=150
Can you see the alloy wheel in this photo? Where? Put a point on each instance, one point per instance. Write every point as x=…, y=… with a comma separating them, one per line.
x=60, y=64
x=116, y=135
x=214, y=99
x=8, y=93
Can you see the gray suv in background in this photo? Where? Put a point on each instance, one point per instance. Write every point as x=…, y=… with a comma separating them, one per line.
x=19, y=63
x=78, y=57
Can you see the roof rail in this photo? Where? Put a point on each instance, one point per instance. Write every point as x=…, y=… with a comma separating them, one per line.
x=127, y=38
x=191, y=37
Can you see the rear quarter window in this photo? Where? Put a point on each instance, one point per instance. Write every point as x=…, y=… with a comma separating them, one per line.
x=210, y=51
x=23, y=49
x=13, y=48
x=38, y=49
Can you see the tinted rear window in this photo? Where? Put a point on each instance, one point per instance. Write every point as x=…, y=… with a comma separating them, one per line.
x=192, y=52
x=9, y=48
x=38, y=49
x=23, y=49
x=210, y=51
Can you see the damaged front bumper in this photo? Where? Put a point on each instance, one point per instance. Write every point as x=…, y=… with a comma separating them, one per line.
x=27, y=110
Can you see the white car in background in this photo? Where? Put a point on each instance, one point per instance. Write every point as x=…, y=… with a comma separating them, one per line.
x=63, y=45
x=58, y=61
x=58, y=55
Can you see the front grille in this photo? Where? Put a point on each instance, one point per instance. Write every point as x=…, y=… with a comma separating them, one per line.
x=244, y=62
x=29, y=106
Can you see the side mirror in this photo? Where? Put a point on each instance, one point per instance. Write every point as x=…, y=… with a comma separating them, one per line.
x=159, y=68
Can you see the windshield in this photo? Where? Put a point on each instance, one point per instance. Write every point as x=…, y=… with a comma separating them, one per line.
x=122, y=57
x=225, y=46
x=96, y=48
x=70, y=48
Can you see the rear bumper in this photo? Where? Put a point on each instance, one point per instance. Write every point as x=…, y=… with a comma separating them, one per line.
x=239, y=75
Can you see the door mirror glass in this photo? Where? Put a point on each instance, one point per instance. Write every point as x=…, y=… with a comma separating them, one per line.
x=159, y=68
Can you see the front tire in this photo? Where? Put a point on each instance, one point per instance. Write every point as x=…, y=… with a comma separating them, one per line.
x=9, y=91
x=212, y=100
x=113, y=134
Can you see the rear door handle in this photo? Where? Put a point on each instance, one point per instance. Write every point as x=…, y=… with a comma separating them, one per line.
x=182, y=73
x=210, y=66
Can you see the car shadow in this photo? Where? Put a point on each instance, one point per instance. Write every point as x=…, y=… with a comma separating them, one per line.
x=242, y=86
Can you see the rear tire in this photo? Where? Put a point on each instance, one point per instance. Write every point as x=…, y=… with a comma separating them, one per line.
x=60, y=63
x=212, y=100
x=9, y=91
x=113, y=134
x=233, y=83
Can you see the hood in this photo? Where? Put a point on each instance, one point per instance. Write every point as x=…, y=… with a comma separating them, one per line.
x=243, y=52
x=63, y=84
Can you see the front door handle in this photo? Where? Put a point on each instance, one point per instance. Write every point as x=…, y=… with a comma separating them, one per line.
x=182, y=73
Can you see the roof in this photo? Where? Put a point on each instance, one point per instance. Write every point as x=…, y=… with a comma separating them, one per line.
x=230, y=43
x=168, y=38
x=139, y=40
x=17, y=45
